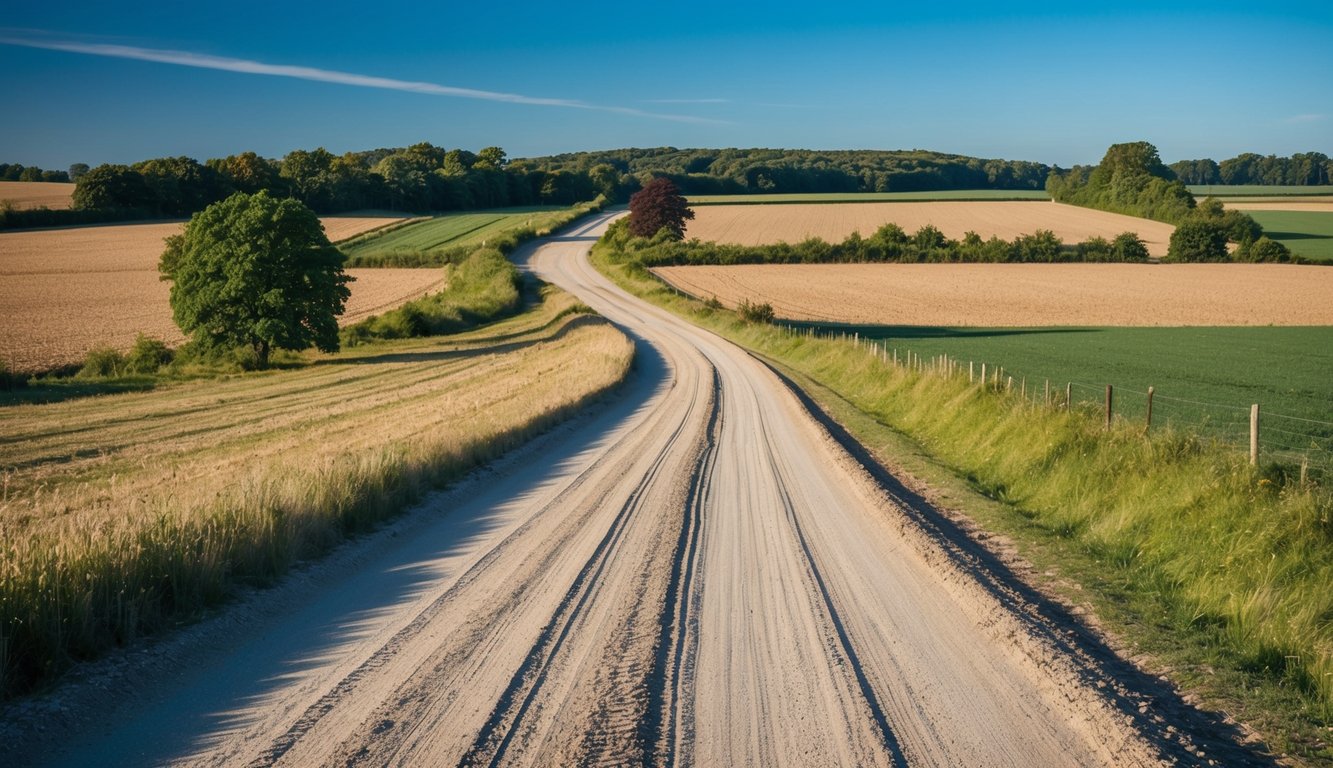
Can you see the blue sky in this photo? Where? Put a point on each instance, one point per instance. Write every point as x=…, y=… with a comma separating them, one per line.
x=1054, y=82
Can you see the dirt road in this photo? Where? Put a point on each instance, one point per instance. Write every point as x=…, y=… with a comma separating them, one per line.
x=697, y=574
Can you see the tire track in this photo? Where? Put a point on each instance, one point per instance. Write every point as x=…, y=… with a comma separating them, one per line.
x=498, y=733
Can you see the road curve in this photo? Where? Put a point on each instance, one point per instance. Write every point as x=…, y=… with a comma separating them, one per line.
x=698, y=574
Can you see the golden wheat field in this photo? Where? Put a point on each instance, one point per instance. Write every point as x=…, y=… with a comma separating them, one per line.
x=764, y=224
x=1306, y=204
x=66, y=291
x=37, y=194
x=1024, y=295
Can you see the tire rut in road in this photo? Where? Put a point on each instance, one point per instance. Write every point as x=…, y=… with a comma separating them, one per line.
x=624, y=685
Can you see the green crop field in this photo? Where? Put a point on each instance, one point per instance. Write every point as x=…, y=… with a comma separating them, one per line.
x=1221, y=371
x=1306, y=233
x=871, y=197
x=1258, y=190
x=454, y=230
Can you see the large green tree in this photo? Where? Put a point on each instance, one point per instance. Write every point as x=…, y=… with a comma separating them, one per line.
x=256, y=271
x=659, y=205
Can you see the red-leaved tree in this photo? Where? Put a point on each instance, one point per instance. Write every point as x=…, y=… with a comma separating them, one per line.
x=659, y=204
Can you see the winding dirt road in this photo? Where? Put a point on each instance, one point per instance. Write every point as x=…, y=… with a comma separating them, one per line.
x=697, y=574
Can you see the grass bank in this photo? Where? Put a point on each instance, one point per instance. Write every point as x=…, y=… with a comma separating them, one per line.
x=1203, y=378
x=1219, y=570
x=126, y=515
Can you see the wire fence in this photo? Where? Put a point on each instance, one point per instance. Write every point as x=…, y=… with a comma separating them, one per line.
x=1303, y=444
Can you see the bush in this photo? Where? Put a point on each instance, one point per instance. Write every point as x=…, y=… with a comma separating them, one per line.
x=1264, y=250
x=102, y=363
x=147, y=356
x=755, y=313
x=1198, y=240
x=1128, y=246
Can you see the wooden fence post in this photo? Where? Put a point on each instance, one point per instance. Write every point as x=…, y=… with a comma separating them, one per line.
x=971, y=373
x=1108, y=406
x=1148, y=425
x=1254, y=434
x=1048, y=393
x=983, y=374
x=1069, y=395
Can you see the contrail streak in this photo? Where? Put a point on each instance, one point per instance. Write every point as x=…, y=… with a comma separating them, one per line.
x=206, y=61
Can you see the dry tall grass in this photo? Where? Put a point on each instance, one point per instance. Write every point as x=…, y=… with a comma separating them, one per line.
x=121, y=514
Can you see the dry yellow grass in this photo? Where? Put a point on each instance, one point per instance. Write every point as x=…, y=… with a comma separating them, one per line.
x=37, y=194
x=1005, y=295
x=765, y=224
x=222, y=481
x=66, y=291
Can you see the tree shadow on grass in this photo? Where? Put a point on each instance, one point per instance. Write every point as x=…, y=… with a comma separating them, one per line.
x=45, y=391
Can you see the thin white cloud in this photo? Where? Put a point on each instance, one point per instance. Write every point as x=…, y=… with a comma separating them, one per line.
x=1306, y=118
x=206, y=61
x=687, y=101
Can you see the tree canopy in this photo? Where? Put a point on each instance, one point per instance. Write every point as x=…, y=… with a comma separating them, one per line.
x=259, y=272
x=659, y=205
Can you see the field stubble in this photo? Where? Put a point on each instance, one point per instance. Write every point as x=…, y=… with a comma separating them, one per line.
x=1024, y=295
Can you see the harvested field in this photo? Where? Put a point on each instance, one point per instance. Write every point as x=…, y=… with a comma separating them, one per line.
x=349, y=225
x=64, y=292
x=764, y=224
x=1025, y=295
x=37, y=194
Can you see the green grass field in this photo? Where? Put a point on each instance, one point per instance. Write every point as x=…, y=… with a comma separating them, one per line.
x=453, y=230
x=871, y=197
x=1306, y=233
x=1285, y=370
x=1258, y=190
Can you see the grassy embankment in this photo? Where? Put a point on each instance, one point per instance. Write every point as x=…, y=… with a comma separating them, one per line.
x=1203, y=378
x=1306, y=233
x=450, y=237
x=128, y=514
x=1216, y=570
x=872, y=197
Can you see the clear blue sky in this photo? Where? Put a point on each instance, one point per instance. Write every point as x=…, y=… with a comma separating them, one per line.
x=1054, y=82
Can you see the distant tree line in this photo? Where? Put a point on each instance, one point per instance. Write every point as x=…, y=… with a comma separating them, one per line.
x=19, y=172
x=1131, y=179
x=421, y=178
x=741, y=171
x=1301, y=169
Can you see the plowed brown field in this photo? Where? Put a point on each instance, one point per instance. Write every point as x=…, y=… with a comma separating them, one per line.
x=1023, y=295
x=37, y=194
x=64, y=292
x=764, y=224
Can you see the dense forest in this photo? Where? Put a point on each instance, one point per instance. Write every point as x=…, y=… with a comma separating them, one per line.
x=740, y=171
x=1301, y=169
x=421, y=177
